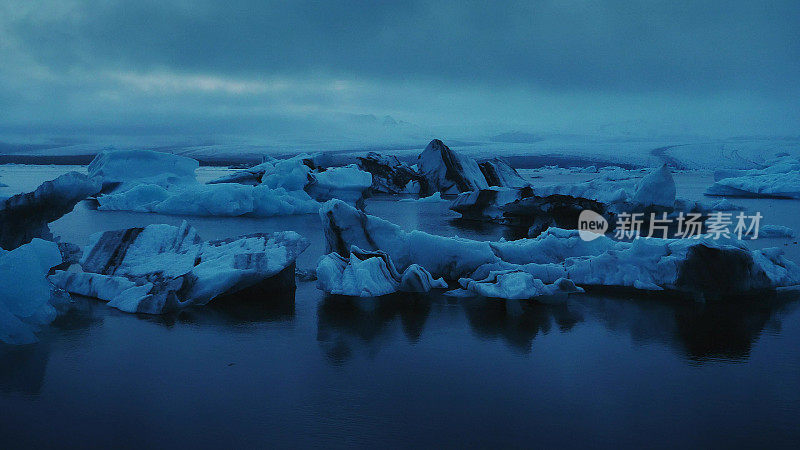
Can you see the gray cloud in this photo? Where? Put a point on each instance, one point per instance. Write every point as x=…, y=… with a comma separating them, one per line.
x=559, y=63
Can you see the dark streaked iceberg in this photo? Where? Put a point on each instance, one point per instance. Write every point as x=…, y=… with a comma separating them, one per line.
x=24, y=217
x=392, y=176
x=161, y=268
x=449, y=172
x=499, y=173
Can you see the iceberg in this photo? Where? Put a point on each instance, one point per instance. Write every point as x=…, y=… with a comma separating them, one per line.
x=25, y=294
x=517, y=285
x=391, y=176
x=24, y=217
x=656, y=189
x=300, y=173
x=780, y=178
x=161, y=268
x=436, y=197
x=450, y=258
x=347, y=183
x=118, y=169
x=449, y=172
x=173, y=189
x=499, y=173
x=620, y=187
x=699, y=267
x=370, y=274
x=210, y=200
x=775, y=231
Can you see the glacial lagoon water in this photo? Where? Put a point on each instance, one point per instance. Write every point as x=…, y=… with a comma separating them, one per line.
x=597, y=370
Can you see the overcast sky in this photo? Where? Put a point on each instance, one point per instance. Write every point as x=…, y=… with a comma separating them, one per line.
x=249, y=67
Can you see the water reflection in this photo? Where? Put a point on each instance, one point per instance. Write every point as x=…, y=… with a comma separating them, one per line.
x=518, y=322
x=699, y=331
x=342, y=321
x=23, y=367
x=234, y=311
x=696, y=331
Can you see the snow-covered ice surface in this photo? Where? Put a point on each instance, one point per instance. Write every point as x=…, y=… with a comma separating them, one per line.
x=161, y=268
x=779, y=177
x=25, y=293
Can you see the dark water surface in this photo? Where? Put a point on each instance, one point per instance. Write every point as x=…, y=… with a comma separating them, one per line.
x=597, y=370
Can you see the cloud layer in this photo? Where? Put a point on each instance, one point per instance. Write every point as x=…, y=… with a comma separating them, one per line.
x=256, y=66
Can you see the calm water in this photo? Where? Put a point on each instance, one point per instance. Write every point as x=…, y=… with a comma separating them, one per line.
x=401, y=371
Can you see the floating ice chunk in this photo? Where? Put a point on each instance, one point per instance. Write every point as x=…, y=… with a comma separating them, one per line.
x=448, y=172
x=486, y=204
x=370, y=274
x=702, y=267
x=499, y=173
x=450, y=258
x=210, y=200
x=347, y=183
x=436, y=197
x=25, y=293
x=25, y=216
x=554, y=246
x=171, y=267
x=775, y=231
x=706, y=267
x=600, y=189
x=779, y=179
x=391, y=176
x=118, y=169
x=517, y=285
x=656, y=189
x=291, y=174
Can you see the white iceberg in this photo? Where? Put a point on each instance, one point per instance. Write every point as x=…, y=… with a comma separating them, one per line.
x=25, y=293
x=173, y=189
x=656, y=189
x=210, y=200
x=371, y=274
x=780, y=178
x=161, y=268
x=347, y=183
x=120, y=168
